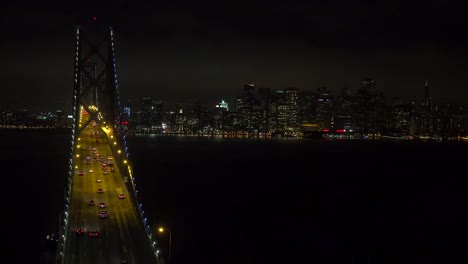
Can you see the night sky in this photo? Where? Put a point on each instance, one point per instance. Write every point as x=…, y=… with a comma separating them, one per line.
x=206, y=50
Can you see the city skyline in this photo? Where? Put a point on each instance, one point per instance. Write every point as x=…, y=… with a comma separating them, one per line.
x=64, y=104
x=179, y=52
x=262, y=112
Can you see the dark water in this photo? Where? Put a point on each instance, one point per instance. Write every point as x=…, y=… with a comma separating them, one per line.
x=265, y=201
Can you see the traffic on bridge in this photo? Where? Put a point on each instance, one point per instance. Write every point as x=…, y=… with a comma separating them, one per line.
x=104, y=223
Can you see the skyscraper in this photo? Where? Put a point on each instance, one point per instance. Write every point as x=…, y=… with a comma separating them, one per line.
x=342, y=111
x=324, y=110
x=247, y=109
x=369, y=108
x=249, y=90
x=426, y=115
x=368, y=84
x=146, y=111
x=427, y=96
x=291, y=102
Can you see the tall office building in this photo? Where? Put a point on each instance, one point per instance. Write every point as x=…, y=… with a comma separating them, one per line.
x=247, y=109
x=426, y=114
x=342, y=111
x=146, y=111
x=126, y=113
x=221, y=116
x=249, y=90
x=427, y=96
x=324, y=109
x=369, y=110
x=279, y=108
x=263, y=95
x=60, y=119
x=307, y=110
x=401, y=117
x=367, y=84
x=223, y=105
x=292, y=111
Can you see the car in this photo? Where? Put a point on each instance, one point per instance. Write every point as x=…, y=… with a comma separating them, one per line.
x=121, y=195
x=104, y=165
x=98, y=180
x=105, y=172
x=100, y=190
x=112, y=169
x=87, y=162
x=94, y=233
x=92, y=202
x=104, y=168
x=81, y=173
x=79, y=231
x=103, y=214
x=94, y=149
x=102, y=205
x=91, y=170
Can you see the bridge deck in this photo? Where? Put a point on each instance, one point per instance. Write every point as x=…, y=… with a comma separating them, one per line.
x=121, y=234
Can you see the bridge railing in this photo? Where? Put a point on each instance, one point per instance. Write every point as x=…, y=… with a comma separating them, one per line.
x=122, y=161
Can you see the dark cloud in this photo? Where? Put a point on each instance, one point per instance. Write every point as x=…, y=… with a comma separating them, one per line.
x=207, y=49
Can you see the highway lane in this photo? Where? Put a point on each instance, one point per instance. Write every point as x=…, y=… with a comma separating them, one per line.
x=122, y=234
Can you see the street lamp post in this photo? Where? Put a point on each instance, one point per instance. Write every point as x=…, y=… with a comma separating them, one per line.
x=161, y=230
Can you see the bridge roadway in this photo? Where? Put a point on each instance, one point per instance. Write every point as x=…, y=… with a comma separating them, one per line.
x=121, y=234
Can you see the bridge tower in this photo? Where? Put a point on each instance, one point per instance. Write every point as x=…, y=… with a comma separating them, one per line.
x=95, y=82
x=96, y=93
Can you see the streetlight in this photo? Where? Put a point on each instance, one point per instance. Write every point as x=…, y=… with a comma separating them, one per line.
x=162, y=230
